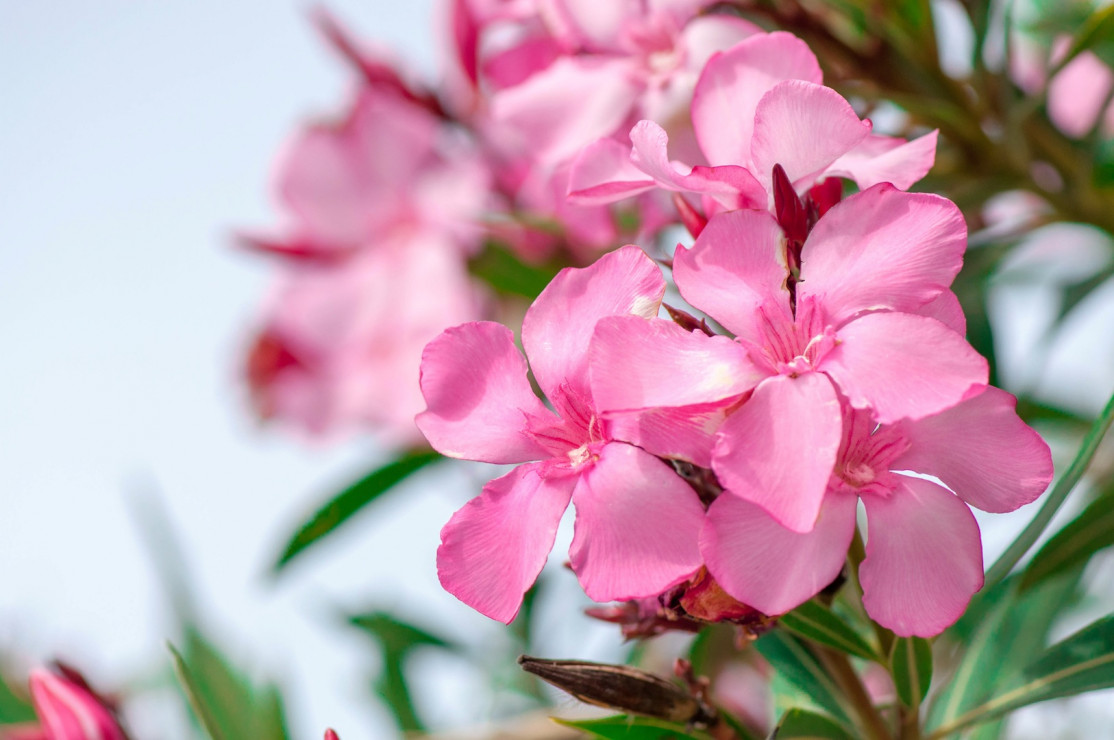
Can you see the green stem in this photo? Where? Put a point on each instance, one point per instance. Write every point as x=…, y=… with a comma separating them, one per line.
x=840, y=668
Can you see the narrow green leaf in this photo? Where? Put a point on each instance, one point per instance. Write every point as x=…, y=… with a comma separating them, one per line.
x=631, y=727
x=911, y=663
x=816, y=622
x=1054, y=498
x=193, y=693
x=352, y=499
x=800, y=723
x=1097, y=30
x=1082, y=662
x=797, y=665
x=395, y=635
x=507, y=274
x=14, y=708
x=1087, y=534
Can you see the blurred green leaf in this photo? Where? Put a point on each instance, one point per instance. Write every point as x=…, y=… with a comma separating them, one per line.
x=1074, y=294
x=631, y=727
x=1087, y=534
x=799, y=723
x=911, y=664
x=1082, y=662
x=397, y=640
x=801, y=668
x=1096, y=31
x=352, y=499
x=816, y=622
x=14, y=708
x=226, y=704
x=1054, y=498
x=508, y=275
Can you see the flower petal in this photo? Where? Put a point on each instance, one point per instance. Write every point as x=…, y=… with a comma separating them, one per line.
x=679, y=433
x=494, y=547
x=779, y=448
x=923, y=558
x=732, y=83
x=474, y=382
x=901, y=365
x=767, y=566
x=736, y=265
x=804, y=127
x=558, y=326
x=883, y=248
x=637, y=525
x=604, y=173
x=982, y=450
x=887, y=159
x=946, y=309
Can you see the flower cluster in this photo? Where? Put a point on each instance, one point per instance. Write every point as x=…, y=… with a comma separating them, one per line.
x=731, y=461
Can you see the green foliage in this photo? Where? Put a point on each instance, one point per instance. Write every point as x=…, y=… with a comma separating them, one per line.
x=1082, y=662
x=506, y=274
x=794, y=662
x=1096, y=34
x=352, y=499
x=800, y=723
x=14, y=708
x=397, y=640
x=1076, y=543
x=225, y=703
x=911, y=666
x=630, y=727
x=814, y=621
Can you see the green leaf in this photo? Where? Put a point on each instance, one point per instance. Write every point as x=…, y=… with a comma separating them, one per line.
x=14, y=708
x=352, y=499
x=630, y=727
x=1054, y=498
x=816, y=622
x=800, y=723
x=226, y=704
x=800, y=667
x=1082, y=662
x=508, y=275
x=1087, y=534
x=911, y=664
x=397, y=640
x=1096, y=31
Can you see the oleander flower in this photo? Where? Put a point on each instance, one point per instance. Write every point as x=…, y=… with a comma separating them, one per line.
x=637, y=522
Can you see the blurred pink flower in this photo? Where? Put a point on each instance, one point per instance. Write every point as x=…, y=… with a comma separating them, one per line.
x=636, y=520
x=67, y=708
x=923, y=553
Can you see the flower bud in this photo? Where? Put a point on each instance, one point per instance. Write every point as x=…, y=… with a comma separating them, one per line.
x=69, y=709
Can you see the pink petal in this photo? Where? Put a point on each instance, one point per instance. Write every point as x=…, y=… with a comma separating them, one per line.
x=474, y=382
x=494, y=547
x=604, y=173
x=883, y=248
x=901, y=365
x=558, y=327
x=565, y=107
x=638, y=364
x=767, y=566
x=779, y=448
x=946, y=309
x=637, y=524
x=804, y=127
x=923, y=558
x=704, y=35
x=736, y=265
x=730, y=185
x=679, y=433
x=982, y=450
x=68, y=711
x=732, y=83
x=1077, y=94
x=886, y=159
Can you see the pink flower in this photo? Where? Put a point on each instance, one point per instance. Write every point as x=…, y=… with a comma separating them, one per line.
x=67, y=708
x=866, y=315
x=342, y=341
x=636, y=521
x=758, y=104
x=924, y=555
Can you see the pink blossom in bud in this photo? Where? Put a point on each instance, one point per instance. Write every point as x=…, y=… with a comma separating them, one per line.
x=866, y=315
x=1078, y=94
x=636, y=520
x=757, y=104
x=67, y=710
x=342, y=341
x=331, y=735
x=923, y=554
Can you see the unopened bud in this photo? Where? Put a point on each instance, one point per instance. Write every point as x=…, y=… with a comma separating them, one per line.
x=621, y=687
x=69, y=710
x=331, y=735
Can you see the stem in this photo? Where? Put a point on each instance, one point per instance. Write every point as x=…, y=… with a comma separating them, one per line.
x=840, y=668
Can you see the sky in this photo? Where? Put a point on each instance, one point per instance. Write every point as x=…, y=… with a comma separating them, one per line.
x=134, y=138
